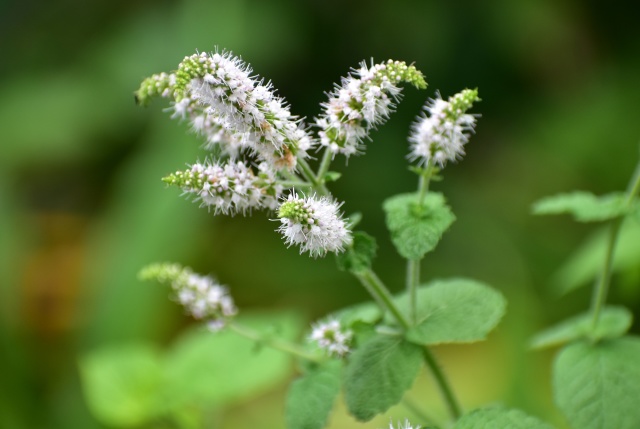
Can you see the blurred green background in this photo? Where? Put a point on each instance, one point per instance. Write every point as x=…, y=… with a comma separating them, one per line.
x=82, y=207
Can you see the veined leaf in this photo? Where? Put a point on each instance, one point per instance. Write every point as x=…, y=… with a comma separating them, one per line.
x=378, y=374
x=359, y=255
x=454, y=311
x=499, y=418
x=597, y=386
x=311, y=396
x=416, y=229
x=613, y=322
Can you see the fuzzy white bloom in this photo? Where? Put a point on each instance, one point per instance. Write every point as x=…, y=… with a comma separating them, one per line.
x=406, y=425
x=229, y=188
x=202, y=296
x=331, y=337
x=364, y=99
x=440, y=135
x=246, y=107
x=314, y=224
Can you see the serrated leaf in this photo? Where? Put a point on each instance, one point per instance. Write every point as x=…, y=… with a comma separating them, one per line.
x=417, y=229
x=597, y=386
x=123, y=384
x=359, y=255
x=219, y=368
x=584, y=206
x=499, y=418
x=613, y=322
x=378, y=374
x=311, y=396
x=586, y=262
x=454, y=311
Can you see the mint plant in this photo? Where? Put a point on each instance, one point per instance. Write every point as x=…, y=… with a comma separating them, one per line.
x=263, y=158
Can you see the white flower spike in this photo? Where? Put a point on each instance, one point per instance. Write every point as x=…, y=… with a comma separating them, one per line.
x=314, y=224
x=441, y=135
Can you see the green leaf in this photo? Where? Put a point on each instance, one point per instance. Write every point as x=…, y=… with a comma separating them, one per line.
x=332, y=176
x=454, y=311
x=417, y=229
x=123, y=384
x=359, y=255
x=597, y=386
x=499, y=418
x=366, y=312
x=584, y=206
x=378, y=374
x=311, y=397
x=218, y=368
x=586, y=262
x=613, y=322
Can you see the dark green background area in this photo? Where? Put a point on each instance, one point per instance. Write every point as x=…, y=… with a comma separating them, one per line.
x=82, y=207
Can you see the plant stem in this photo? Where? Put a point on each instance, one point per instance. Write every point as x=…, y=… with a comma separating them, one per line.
x=382, y=295
x=295, y=184
x=602, y=287
x=443, y=384
x=318, y=184
x=274, y=343
x=324, y=164
x=423, y=183
x=413, y=280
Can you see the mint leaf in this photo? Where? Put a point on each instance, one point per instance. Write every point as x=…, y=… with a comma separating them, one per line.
x=366, y=312
x=597, y=386
x=613, y=322
x=416, y=229
x=123, y=384
x=584, y=206
x=311, y=396
x=499, y=418
x=359, y=255
x=378, y=374
x=219, y=368
x=454, y=311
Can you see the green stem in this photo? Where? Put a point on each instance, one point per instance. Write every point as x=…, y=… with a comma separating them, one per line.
x=382, y=295
x=423, y=184
x=413, y=280
x=308, y=174
x=602, y=288
x=327, y=157
x=274, y=343
x=443, y=384
x=295, y=184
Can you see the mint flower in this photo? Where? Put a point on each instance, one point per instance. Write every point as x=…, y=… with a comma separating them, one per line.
x=441, y=135
x=365, y=99
x=202, y=296
x=406, y=425
x=314, y=224
x=229, y=188
x=331, y=337
x=245, y=106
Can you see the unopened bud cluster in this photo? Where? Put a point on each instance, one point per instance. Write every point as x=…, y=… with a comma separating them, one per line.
x=365, y=99
x=332, y=337
x=228, y=188
x=440, y=135
x=201, y=295
x=314, y=224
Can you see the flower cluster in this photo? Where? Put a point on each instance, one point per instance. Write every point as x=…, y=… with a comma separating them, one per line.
x=365, y=99
x=200, y=295
x=313, y=223
x=440, y=136
x=232, y=108
x=229, y=188
x=330, y=336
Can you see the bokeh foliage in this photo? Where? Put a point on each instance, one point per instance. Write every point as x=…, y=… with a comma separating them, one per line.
x=82, y=207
